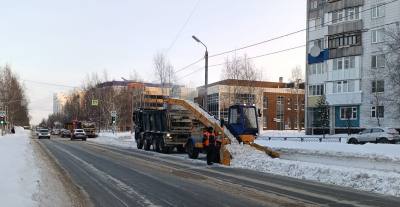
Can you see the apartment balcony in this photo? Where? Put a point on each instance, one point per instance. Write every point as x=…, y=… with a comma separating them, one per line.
x=345, y=27
x=335, y=5
x=344, y=74
x=344, y=98
x=345, y=51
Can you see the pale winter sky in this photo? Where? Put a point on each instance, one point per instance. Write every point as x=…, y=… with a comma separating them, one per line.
x=61, y=42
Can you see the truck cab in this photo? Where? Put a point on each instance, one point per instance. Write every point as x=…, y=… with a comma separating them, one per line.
x=243, y=122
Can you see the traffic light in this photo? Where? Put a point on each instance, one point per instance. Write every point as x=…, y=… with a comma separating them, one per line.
x=113, y=119
x=2, y=120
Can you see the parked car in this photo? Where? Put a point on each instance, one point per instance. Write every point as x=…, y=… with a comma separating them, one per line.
x=65, y=133
x=44, y=133
x=377, y=135
x=55, y=131
x=78, y=134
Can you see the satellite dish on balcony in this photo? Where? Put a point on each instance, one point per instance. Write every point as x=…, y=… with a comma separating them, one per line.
x=315, y=51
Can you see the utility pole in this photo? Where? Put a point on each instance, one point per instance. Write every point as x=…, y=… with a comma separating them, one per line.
x=205, y=74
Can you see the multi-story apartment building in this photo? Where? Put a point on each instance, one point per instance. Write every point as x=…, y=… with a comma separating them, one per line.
x=346, y=63
x=59, y=100
x=280, y=104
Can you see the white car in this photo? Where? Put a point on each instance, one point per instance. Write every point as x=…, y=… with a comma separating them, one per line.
x=44, y=133
x=78, y=134
x=377, y=135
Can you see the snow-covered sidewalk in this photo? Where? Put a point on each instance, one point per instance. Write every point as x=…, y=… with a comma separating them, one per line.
x=371, y=151
x=368, y=180
x=19, y=175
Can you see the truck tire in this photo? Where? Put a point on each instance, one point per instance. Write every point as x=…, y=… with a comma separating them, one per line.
x=146, y=144
x=163, y=148
x=192, y=151
x=180, y=149
x=139, y=143
x=156, y=145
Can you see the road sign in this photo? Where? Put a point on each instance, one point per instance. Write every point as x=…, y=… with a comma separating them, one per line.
x=95, y=102
x=3, y=113
x=113, y=113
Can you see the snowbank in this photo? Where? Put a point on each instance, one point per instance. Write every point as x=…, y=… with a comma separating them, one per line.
x=369, y=150
x=361, y=179
x=121, y=139
x=19, y=176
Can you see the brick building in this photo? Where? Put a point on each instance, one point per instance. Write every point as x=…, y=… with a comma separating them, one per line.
x=276, y=101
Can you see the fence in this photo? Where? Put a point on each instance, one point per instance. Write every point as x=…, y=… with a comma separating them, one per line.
x=307, y=139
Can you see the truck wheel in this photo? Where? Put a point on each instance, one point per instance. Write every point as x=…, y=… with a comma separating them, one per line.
x=147, y=144
x=139, y=144
x=163, y=148
x=156, y=145
x=180, y=149
x=192, y=151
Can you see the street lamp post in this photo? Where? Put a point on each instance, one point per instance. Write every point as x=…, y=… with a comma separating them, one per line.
x=206, y=72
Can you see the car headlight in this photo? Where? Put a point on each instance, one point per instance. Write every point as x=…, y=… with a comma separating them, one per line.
x=168, y=135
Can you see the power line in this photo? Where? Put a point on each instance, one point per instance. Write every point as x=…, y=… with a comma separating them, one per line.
x=280, y=51
x=254, y=57
x=286, y=35
x=292, y=33
x=49, y=84
x=183, y=26
x=188, y=66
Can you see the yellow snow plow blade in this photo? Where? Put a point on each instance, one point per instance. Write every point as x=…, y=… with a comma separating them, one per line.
x=267, y=150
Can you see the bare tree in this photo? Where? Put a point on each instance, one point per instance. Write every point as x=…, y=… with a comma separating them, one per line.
x=392, y=57
x=242, y=68
x=164, y=72
x=12, y=98
x=297, y=74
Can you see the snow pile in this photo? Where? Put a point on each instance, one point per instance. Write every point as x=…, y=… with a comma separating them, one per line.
x=121, y=139
x=19, y=176
x=361, y=179
x=369, y=150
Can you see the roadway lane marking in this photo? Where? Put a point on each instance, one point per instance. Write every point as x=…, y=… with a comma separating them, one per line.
x=143, y=201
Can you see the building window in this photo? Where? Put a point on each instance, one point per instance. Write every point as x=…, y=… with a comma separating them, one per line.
x=348, y=113
x=316, y=68
x=265, y=121
x=314, y=4
x=378, y=86
x=378, y=61
x=344, y=15
x=344, y=86
x=344, y=40
x=377, y=111
x=344, y=63
x=312, y=24
x=316, y=90
x=377, y=35
x=280, y=100
x=265, y=102
x=378, y=11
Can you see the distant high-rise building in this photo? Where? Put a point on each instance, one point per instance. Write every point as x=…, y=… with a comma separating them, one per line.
x=346, y=63
x=59, y=100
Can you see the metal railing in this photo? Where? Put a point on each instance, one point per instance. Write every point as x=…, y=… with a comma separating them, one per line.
x=306, y=139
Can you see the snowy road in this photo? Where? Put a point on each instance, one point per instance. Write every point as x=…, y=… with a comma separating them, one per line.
x=114, y=176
